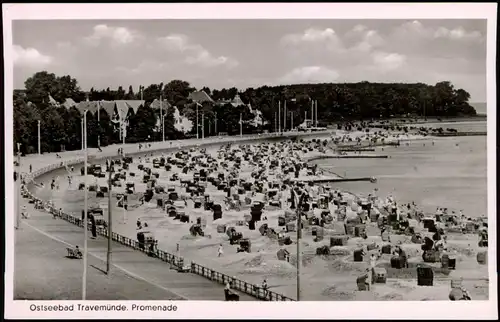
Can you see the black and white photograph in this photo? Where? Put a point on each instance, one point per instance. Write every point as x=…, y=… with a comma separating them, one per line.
x=159, y=160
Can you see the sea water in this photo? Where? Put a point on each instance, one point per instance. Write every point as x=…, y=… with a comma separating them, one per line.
x=451, y=173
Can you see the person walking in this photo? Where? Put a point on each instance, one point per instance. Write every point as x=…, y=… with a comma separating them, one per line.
x=220, y=251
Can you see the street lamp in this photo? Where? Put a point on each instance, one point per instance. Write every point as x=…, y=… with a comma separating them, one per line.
x=216, y=123
x=39, y=139
x=85, y=210
x=241, y=126
x=18, y=181
x=197, y=126
x=162, y=118
x=203, y=126
x=83, y=143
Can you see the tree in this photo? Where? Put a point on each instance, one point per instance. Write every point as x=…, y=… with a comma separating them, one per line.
x=141, y=124
x=177, y=92
x=170, y=131
x=120, y=93
x=336, y=102
x=130, y=95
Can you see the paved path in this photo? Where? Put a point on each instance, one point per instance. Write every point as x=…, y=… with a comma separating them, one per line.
x=149, y=271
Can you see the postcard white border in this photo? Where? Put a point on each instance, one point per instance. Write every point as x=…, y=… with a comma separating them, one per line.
x=294, y=310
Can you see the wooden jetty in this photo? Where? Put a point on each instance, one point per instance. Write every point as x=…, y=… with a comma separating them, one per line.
x=445, y=134
x=333, y=180
x=352, y=156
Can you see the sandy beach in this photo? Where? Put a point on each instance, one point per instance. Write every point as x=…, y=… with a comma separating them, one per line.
x=325, y=277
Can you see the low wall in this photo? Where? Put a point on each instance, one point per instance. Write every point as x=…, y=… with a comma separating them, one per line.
x=239, y=285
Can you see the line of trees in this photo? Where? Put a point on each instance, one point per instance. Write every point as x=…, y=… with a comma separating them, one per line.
x=61, y=127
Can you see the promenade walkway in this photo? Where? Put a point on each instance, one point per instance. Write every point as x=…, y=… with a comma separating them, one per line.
x=43, y=272
x=41, y=268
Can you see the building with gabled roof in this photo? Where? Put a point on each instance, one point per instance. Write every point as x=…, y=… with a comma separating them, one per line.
x=109, y=107
x=69, y=103
x=123, y=106
x=91, y=106
x=200, y=97
x=156, y=104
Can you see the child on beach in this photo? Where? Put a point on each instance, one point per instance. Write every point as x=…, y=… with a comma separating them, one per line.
x=220, y=251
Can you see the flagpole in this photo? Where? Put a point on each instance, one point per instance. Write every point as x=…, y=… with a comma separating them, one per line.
x=85, y=218
x=279, y=117
x=83, y=143
x=215, y=123
x=124, y=134
x=197, y=135
x=316, y=113
x=312, y=112
x=284, y=116
x=203, y=125
x=98, y=124
x=161, y=119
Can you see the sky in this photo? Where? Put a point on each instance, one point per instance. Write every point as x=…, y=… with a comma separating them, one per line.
x=252, y=53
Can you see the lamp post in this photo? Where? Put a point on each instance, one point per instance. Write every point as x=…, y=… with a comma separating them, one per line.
x=162, y=119
x=197, y=127
x=39, y=139
x=85, y=210
x=216, y=123
x=284, y=116
x=279, y=117
x=83, y=143
x=312, y=113
x=316, y=114
x=99, y=124
x=203, y=126
x=18, y=181
x=241, y=126
x=110, y=221
x=123, y=125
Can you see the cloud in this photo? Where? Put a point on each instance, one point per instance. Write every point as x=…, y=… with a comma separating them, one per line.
x=311, y=35
x=326, y=38
x=457, y=34
x=196, y=54
x=30, y=57
x=309, y=74
x=388, y=61
x=117, y=35
x=363, y=39
x=416, y=30
x=145, y=66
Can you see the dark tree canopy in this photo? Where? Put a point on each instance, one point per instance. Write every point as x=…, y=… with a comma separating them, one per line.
x=61, y=126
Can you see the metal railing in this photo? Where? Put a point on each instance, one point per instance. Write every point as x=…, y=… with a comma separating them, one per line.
x=237, y=284
x=213, y=275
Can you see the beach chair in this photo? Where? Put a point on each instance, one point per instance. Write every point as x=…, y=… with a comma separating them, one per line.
x=74, y=253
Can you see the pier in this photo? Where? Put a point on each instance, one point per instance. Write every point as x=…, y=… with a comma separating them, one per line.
x=353, y=156
x=445, y=134
x=333, y=180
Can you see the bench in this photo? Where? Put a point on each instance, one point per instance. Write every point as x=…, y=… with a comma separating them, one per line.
x=231, y=296
x=74, y=253
x=183, y=269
